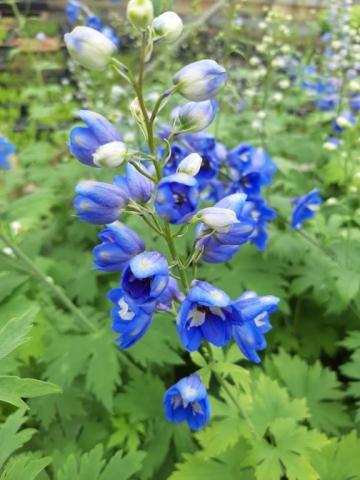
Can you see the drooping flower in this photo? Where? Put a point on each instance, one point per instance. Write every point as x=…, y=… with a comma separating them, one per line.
x=251, y=168
x=200, y=80
x=90, y=48
x=6, y=149
x=177, y=198
x=196, y=116
x=98, y=143
x=206, y=313
x=119, y=244
x=129, y=319
x=168, y=26
x=305, y=208
x=187, y=401
x=145, y=277
x=99, y=202
x=254, y=310
x=139, y=187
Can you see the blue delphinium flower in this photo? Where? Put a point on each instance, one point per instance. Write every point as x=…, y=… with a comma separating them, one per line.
x=205, y=145
x=110, y=33
x=86, y=141
x=72, y=11
x=187, y=401
x=343, y=121
x=177, y=198
x=251, y=168
x=99, y=202
x=177, y=153
x=171, y=293
x=355, y=103
x=305, y=208
x=261, y=214
x=196, y=116
x=139, y=187
x=93, y=21
x=145, y=277
x=206, y=313
x=6, y=149
x=254, y=311
x=119, y=244
x=129, y=319
x=200, y=80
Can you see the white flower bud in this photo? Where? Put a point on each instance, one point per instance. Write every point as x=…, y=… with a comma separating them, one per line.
x=140, y=13
x=167, y=26
x=90, y=48
x=218, y=219
x=190, y=165
x=110, y=154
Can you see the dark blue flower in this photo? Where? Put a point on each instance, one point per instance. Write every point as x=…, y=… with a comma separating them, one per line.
x=129, y=319
x=205, y=145
x=98, y=202
x=261, y=214
x=94, y=22
x=171, y=293
x=85, y=141
x=110, y=33
x=6, y=149
x=305, y=208
x=72, y=11
x=251, y=168
x=187, y=400
x=177, y=154
x=177, y=198
x=254, y=311
x=145, y=277
x=355, y=103
x=139, y=187
x=119, y=244
x=206, y=313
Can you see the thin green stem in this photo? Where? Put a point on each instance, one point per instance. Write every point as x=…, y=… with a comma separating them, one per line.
x=171, y=245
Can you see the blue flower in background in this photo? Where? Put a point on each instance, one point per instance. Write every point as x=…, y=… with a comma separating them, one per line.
x=252, y=168
x=254, y=311
x=261, y=214
x=85, y=141
x=129, y=319
x=139, y=187
x=305, y=208
x=355, y=103
x=72, y=11
x=6, y=149
x=110, y=33
x=343, y=121
x=187, y=401
x=206, y=313
x=205, y=145
x=99, y=202
x=119, y=244
x=94, y=21
x=145, y=278
x=177, y=198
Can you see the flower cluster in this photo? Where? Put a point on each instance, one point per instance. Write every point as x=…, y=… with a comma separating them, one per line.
x=190, y=180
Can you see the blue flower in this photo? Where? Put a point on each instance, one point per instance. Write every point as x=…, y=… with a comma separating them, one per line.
x=94, y=22
x=205, y=145
x=305, y=208
x=86, y=141
x=177, y=198
x=343, y=121
x=110, y=33
x=252, y=168
x=200, y=80
x=119, y=244
x=187, y=400
x=177, y=153
x=206, y=313
x=129, y=319
x=254, y=311
x=145, y=277
x=72, y=11
x=355, y=103
x=196, y=116
x=6, y=149
x=171, y=293
x=98, y=202
x=261, y=214
x=139, y=187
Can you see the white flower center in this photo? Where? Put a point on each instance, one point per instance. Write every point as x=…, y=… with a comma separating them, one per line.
x=124, y=312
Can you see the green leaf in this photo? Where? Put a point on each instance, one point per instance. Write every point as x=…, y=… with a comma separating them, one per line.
x=15, y=331
x=352, y=368
x=123, y=468
x=288, y=453
x=88, y=468
x=9, y=281
x=13, y=389
x=15, y=468
x=11, y=439
x=195, y=468
x=317, y=384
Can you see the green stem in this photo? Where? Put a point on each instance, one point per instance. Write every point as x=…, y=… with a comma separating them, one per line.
x=171, y=245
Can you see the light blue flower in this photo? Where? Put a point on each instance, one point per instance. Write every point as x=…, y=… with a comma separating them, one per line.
x=305, y=208
x=129, y=319
x=85, y=142
x=99, y=202
x=72, y=11
x=187, y=401
x=145, y=277
x=200, y=80
x=177, y=198
x=6, y=149
x=254, y=311
x=139, y=187
x=119, y=244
